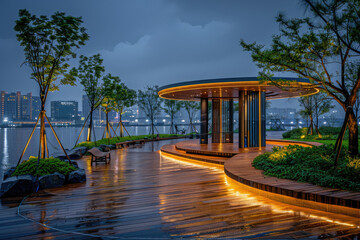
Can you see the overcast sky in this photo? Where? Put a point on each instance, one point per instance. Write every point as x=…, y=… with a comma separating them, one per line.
x=148, y=42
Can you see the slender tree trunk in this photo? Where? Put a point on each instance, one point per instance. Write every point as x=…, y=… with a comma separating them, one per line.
x=317, y=120
x=317, y=127
x=88, y=139
x=107, y=125
x=42, y=130
x=353, y=135
x=152, y=127
x=338, y=143
x=172, y=125
x=311, y=126
x=121, y=126
x=191, y=125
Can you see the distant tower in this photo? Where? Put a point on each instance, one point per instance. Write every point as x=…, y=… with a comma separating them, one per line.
x=10, y=104
x=64, y=110
x=2, y=104
x=26, y=107
x=18, y=105
x=85, y=106
x=35, y=107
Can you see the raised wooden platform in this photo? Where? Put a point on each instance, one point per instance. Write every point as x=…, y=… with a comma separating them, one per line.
x=213, y=149
x=171, y=149
x=239, y=168
x=231, y=149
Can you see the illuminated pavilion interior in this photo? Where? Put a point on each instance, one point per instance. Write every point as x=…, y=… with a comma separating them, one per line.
x=251, y=94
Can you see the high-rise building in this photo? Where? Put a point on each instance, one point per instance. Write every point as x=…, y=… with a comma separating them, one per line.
x=26, y=107
x=18, y=105
x=64, y=110
x=36, y=107
x=2, y=104
x=85, y=106
x=97, y=114
x=11, y=106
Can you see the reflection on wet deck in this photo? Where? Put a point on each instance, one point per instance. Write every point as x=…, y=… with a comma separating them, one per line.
x=144, y=194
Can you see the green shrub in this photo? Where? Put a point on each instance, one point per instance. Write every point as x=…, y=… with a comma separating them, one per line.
x=313, y=165
x=46, y=166
x=115, y=140
x=295, y=133
x=327, y=133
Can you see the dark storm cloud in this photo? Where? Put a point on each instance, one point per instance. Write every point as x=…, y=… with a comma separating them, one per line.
x=152, y=42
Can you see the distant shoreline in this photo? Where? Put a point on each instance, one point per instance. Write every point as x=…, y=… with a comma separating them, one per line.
x=31, y=125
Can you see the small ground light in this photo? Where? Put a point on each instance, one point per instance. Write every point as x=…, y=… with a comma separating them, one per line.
x=325, y=122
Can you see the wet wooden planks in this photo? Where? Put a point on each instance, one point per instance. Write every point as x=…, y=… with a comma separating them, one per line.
x=240, y=169
x=144, y=194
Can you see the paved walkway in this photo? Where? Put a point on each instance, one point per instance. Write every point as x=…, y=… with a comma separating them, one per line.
x=142, y=194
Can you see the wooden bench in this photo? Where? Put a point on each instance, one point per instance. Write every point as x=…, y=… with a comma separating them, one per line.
x=99, y=156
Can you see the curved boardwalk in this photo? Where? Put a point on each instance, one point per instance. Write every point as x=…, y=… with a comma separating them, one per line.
x=143, y=194
x=238, y=166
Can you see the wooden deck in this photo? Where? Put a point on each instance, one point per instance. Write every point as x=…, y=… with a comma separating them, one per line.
x=142, y=194
x=239, y=168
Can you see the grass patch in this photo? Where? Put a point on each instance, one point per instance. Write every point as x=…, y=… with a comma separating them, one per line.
x=46, y=166
x=328, y=136
x=115, y=140
x=327, y=133
x=311, y=164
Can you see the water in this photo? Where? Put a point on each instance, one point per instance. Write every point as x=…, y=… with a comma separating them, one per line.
x=13, y=141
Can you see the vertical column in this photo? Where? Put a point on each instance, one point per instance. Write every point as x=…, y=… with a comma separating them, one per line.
x=251, y=119
x=242, y=118
x=216, y=121
x=228, y=121
x=204, y=121
x=263, y=118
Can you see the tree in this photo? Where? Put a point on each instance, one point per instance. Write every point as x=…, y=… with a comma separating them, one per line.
x=312, y=48
x=90, y=72
x=315, y=106
x=191, y=107
x=124, y=98
x=171, y=107
x=110, y=85
x=48, y=45
x=150, y=102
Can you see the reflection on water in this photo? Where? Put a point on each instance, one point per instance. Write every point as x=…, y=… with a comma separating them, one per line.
x=13, y=140
x=145, y=194
x=5, y=158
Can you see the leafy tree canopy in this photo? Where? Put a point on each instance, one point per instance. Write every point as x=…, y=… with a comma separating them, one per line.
x=90, y=72
x=324, y=49
x=48, y=44
x=111, y=84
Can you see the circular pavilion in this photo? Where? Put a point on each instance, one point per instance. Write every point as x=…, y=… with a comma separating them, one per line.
x=251, y=94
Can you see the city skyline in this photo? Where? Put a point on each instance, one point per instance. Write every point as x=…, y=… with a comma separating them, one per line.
x=157, y=42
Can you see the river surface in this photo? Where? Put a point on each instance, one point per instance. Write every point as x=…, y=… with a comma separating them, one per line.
x=13, y=141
